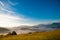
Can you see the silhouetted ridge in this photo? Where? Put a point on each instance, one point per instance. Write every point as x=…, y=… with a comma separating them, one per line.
x=3, y=30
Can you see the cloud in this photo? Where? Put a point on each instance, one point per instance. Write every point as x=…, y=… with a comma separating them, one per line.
x=12, y=21
x=8, y=17
x=4, y=9
x=9, y=21
x=12, y=3
x=1, y=3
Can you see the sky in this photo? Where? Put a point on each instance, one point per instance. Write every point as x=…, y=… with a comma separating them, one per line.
x=28, y=12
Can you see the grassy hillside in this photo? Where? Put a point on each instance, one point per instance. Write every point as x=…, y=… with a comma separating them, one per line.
x=51, y=35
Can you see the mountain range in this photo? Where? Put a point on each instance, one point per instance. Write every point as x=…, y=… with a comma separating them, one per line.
x=26, y=29
x=4, y=30
x=39, y=27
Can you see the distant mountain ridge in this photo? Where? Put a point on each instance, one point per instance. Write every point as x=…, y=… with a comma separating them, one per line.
x=40, y=27
x=25, y=28
x=53, y=25
x=3, y=30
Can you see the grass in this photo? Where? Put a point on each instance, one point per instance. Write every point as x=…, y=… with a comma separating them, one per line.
x=51, y=35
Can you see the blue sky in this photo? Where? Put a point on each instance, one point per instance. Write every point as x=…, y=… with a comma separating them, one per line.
x=32, y=11
x=39, y=9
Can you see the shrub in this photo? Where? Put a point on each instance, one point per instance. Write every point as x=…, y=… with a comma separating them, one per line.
x=13, y=33
x=9, y=33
